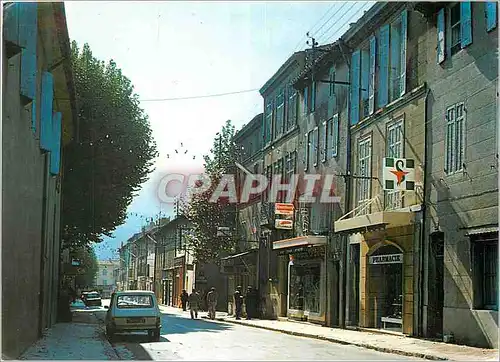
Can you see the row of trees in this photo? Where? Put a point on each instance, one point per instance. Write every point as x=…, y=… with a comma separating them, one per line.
x=112, y=157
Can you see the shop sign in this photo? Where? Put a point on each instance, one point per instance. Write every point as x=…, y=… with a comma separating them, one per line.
x=399, y=174
x=283, y=224
x=304, y=252
x=386, y=259
x=283, y=209
x=179, y=262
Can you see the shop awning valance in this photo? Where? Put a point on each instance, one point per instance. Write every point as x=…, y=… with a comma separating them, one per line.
x=481, y=230
x=240, y=254
x=299, y=241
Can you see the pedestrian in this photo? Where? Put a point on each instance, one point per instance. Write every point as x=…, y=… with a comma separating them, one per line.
x=212, y=302
x=249, y=302
x=194, y=304
x=184, y=299
x=238, y=301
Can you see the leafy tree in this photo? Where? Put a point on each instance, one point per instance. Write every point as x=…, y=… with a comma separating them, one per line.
x=207, y=216
x=104, y=170
x=88, y=268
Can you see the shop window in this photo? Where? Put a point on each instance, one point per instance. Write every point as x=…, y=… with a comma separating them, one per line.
x=395, y=143
x=455, y=138
x=304, y=287
x=485, y=251
x=364, y=170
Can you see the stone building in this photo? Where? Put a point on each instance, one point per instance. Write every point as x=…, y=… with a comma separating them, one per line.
x=38, y=121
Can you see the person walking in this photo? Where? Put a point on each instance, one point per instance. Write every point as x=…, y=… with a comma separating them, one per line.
x=238, y=302
x=194, y=304
x=212, y=302
x=184, y=299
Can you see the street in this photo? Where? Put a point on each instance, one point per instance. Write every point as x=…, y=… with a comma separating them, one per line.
x=186, y=339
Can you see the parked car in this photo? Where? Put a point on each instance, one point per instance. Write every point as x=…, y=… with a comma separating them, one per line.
x=135, y=310
x=92, y=299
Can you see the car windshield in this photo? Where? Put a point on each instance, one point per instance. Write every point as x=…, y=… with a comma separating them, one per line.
x=134, y=301
x=93, y=295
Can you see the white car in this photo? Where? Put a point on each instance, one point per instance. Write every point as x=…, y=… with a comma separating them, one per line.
x=135, y=310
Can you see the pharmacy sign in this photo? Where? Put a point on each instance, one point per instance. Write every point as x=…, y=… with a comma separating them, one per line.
x=399, y=174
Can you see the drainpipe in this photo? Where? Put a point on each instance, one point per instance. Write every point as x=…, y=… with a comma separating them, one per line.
x=347, y=205
x=423, y=224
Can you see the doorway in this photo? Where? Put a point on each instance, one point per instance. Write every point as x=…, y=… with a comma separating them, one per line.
x=436, y=285
x=354, y=285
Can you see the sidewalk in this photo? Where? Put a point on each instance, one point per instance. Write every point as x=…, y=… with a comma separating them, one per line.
x=396, y=344
x=82, y=339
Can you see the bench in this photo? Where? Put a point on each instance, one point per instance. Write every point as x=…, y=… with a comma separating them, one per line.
x=385, y=320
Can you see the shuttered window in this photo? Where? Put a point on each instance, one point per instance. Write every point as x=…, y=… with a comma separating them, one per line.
x=355, y=83
x=291, y=109
x=55, y=152
x=28, y=40
x=373, y=69
x=333, y=136
x=364, y=169
x=383, y=61
x=455, y=138
x=280, y=114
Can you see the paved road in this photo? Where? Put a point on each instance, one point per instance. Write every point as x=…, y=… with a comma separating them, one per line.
x=186, y=339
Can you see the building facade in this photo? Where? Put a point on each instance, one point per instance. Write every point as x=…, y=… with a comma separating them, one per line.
x=461, y=190
x=38, y=121
x=107, y=277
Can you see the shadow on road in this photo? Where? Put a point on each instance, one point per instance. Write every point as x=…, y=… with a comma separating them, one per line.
x=175, y=324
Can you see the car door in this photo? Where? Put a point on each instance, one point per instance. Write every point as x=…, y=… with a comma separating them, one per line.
x=110, y=308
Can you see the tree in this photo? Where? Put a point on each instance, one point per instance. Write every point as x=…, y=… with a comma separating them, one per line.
x=88, y=268
x=207, y=216
x=104, y=170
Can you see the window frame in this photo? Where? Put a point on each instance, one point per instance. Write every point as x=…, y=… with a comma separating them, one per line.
x=394, y=198
x=452, y=150
x=324, y=146
x=280, y=113
x=364, y=185
x=482, y=246
x=333, y=129
x=454, y=48
x=291, y=117
x=315, y=146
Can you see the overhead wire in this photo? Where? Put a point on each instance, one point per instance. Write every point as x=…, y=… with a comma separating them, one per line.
x=356, y=13
x=336, y=22
x=330, y=18
x=303, y=38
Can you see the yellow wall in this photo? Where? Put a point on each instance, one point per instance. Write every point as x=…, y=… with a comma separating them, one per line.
x=402, y=237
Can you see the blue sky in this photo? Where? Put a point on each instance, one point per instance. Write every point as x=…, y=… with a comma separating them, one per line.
x=184, y=49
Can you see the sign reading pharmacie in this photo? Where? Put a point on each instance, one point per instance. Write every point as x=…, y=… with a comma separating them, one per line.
x=386, y=259
x=399, y=174
x=283, y=209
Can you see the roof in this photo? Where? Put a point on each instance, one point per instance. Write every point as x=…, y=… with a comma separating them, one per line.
x=292, y=59
x=250, y=126
x=325, y=51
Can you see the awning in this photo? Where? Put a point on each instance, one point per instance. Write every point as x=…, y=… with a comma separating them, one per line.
x=240, y=254
x=481, y=230
x=299, y=241
x=377, y=220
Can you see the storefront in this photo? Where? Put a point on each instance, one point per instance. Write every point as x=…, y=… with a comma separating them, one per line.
x=306, y=277
x=178, y=280
x=380, y=271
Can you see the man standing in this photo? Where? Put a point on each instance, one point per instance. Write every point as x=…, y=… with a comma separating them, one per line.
x=238, y=302
x=250, y=303
x=184, y=299
x=212, y=302
x=194, y=304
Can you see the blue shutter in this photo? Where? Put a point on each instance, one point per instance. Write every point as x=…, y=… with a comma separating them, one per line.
x=383, y=79
x=55, y=152
x=11, y=23
x=33, y=116
x=404, y=40
x=355, y=79
x=371, y=89
x=440, y=37
x=465, y=24
x=46, y=111
x=491, y=15
x=28, y=40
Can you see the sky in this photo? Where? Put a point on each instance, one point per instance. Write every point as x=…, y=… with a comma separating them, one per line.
x=175, y=49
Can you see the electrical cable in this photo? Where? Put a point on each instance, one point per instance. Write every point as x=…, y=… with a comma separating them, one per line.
x=349, y=20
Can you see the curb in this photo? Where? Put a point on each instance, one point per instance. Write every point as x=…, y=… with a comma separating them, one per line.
x=340, y=341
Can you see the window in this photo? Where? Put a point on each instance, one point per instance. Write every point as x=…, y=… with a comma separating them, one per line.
x=305, y=287
x=332, y=139
x=331, y=78
x=308, y=154
x=134, y=301
x=324, y=141
x=455, y=138
x=279, y=170
x=314, y=146
x=104, y=282
x=365, y=80
x=292, y=109
x=310, y=98
x=455, y=29
x=268, y=124
x=395, y=144
x=105, y=272
x=364, y=170
x=269, y=176
x=485, y=250
x=291, y=165
x=280, y=114
x=395, y=72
